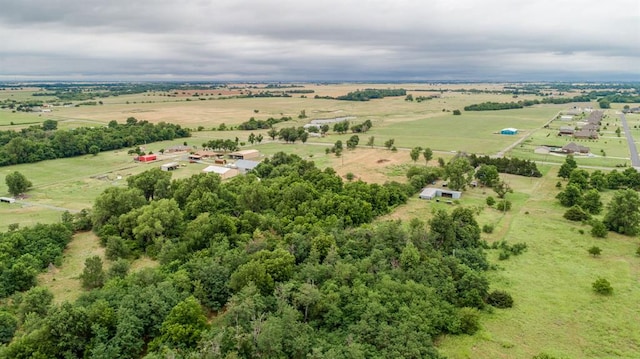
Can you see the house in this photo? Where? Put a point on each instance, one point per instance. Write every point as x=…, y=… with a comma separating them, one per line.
x=509, y=131
x=171, y=166
x=7, y=200
x=566, y=130
x=224, y=172
x=244, y=155
x=574, y=148
x=430, y=193
x=245, y=166
x=145, y=158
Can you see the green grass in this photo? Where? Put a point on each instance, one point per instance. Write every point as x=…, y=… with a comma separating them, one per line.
x=555, y=309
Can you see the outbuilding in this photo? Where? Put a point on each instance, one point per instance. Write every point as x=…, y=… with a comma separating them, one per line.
x=7, y=200
x=431, y=192
x=244, y=155
x=509, y=131
x=171, y=166
x=224, y=172
x=245, y=166
x=146, y=158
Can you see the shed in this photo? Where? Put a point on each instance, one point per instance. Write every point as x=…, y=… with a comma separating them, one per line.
x=509, y=131
x=224, y=172
x=170, y=166
x=431, y=193
x=146, y=158
x=7, y=200
x=245, y=166
x=566, y=117
x=244, y=154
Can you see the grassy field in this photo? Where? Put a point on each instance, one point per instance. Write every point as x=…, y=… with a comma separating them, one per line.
x=555, y=309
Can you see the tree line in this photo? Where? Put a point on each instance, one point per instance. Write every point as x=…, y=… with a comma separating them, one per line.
x=514, y=166
x=287, y=265
x=45, y=142
x=367, y=94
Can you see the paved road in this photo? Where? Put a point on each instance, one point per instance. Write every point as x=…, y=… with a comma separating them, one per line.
x=635, y=160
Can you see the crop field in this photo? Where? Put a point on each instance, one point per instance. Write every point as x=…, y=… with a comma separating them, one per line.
x=555, y=309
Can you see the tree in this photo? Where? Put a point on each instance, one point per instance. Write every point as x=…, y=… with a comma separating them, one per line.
x=568, y=166
x=572, y=195
x=623, y=213
x=389, y=143
x=352, y=142
x=427, y=154
x=92, y=275
x=8, y=326
x=458, y=172
x=602, y=286
x=457, y=112
x=252, y=138
x=415, y=153
x=591, y=201
x=595, y=251
x=151, y=182
x=371, y=141
x=183, y=326
x=259, y=138
x=94, y=150
x=488, y=175
x=303, y=114
x=273, y=133
x=604, y=103
x=49, y=125
x=17, y=183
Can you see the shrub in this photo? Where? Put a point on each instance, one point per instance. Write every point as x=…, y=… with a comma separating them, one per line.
x=504, y=205
x=595, y=251
x=576, y=213
x=491, y=201
x=598, y=229
x=469, y=320
x=602, y=286
x=487, y=228
x=500, y=299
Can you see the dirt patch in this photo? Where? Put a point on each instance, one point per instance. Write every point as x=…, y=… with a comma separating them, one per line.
x=371, y=165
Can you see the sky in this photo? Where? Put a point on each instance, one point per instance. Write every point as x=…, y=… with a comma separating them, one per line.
x=326, y=40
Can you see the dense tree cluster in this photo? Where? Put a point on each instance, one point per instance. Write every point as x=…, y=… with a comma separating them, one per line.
x=515, y=166
x=287, y=266
x=35, y=144
x=26, y=252
x=254, y=124
x=367, y=94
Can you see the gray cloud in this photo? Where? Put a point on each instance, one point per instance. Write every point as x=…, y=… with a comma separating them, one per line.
x=321, y=40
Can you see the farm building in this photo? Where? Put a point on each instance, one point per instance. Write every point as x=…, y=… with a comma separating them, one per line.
x=171, y=166
x=244, y=154
x=574, y=148
x=431, y=193
x=566, y=117
x=178, y=148
x=224, y=172
x=7, y=200
x=145, y=158
x=245, y=166
x=566, y=130
x=207, y=154
x=509, y=131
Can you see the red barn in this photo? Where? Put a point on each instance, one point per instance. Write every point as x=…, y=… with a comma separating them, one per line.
x=146, y=158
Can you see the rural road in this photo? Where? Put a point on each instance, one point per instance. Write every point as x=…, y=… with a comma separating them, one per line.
x=55, y=208
x=635, y=160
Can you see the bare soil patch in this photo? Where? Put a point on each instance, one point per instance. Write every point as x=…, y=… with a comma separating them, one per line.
x=371, y=165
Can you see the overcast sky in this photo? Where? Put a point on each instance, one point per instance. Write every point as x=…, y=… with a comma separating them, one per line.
x=332, y=40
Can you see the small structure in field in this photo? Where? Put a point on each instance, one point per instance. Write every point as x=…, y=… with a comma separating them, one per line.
x=224, y=172
x=7, y=200
x=574, y=148
x=244, y=155
x=145, y=158
x=509, y=131
x=431, y=193
x=171, y=166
